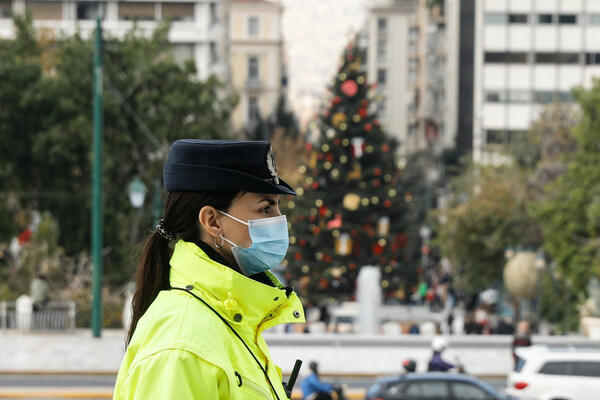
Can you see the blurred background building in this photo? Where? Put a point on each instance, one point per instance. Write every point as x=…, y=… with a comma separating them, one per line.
x=256, y=60
x=198, y=30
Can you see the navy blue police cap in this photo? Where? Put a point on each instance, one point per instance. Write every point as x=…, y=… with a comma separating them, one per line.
x=223, y=165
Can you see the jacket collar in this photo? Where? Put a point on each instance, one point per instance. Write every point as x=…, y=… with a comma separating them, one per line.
x=241, y=300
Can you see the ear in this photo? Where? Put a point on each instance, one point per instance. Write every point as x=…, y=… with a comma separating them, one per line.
x=209, y=219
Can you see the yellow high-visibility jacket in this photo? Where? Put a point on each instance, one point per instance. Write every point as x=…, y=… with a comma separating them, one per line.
x=181, y=349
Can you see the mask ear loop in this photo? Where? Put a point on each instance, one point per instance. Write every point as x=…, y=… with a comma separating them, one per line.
x=222, y=241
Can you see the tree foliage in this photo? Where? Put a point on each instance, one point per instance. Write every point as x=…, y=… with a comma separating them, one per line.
x=569, y=211
x=150, y=100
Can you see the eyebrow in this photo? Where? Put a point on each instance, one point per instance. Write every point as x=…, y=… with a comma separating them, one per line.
x=270, y=200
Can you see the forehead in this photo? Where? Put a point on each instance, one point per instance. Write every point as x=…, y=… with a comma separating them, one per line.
x=250, y=199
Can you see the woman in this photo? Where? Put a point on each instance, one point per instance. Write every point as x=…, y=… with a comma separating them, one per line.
x=199, y=309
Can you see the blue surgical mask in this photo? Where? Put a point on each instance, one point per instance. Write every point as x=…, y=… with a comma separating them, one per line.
x=270, y=240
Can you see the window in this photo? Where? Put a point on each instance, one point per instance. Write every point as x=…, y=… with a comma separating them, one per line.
x=253, y=69
x=518, y=96
x=544, y=97
x=252, y=108
x=515, y=136
x=586, y=368
x=557, y=58
x=381, y=50
x=467, y=391
x=214, y=53
x=555, y=368
x=501, y=57
x=517, y=58
x=435, y=390
x=413, y=33
x=545, y=19
x=594, y=19
x=253, y=26
x=50, y=10
x=567, y=19
x=178, y=11
x=494, y=136
x=517, y=18
x=5, y=9
x=493, y=96
x=382, y=106
x=519, y=364
x=565, y=97
x=214, y=13
x=90, y=10
x=495, y=18
x=381, y=77
x=136, y=11
x=381, y=26
x=592, y=58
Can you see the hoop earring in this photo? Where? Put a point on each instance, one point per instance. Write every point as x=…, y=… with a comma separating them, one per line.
x=222, y=242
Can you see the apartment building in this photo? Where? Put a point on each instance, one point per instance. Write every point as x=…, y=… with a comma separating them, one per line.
x=256, y=60
x=198, y=26
x=527, y=54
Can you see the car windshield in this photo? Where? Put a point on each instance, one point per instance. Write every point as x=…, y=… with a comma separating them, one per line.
x=519, y=364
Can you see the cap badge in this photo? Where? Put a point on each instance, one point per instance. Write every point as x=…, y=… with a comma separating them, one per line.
x=271, y=165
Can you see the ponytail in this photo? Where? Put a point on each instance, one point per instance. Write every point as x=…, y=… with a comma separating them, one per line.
x=181, y=221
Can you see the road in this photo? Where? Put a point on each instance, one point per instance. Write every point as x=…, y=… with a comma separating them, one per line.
x=91, y=386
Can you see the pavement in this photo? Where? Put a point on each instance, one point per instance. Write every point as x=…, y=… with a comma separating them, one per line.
x=341, y=355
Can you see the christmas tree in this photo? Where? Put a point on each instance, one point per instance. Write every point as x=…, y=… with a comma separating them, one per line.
x=353, y=209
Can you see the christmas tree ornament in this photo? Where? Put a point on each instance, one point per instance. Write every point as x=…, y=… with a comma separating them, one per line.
x=385, y=148
x=351, y=201
x=343, y=77
x=329, y=157
x=336, y=100
x=345, y=142
x=356, y=172
x=360, y=80
x=375, y=200
x=387, y=204
x=356, y=118
x=327, y=166
x=308, y=146
x=335, y=173
x=335, y=223
x=343, y=126
x=336, y=141
x=350, y=57
x=377, y=171
x=408, y=197
x=312, y=162
x=377, y=249
x=305, y=269
x=358, y=147
x=343, y=245
x=392, y=192
x=302, y=169
x=318, y=202
x=362, y=185
x=349, y=88
x=368, y=127
x=338, y=118
x=325, y=147
x=369, y=149
x=330, y=132
x=326, y=113
x=362, y=112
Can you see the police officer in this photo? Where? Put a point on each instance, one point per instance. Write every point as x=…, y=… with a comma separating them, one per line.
x=204, y=292
x=437, y=363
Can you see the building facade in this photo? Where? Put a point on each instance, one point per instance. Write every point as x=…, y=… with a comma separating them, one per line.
x=198, y=28
x=256, y=60
x=527, y=54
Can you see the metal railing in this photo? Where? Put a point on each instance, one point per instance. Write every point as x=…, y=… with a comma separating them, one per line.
x=55, y=316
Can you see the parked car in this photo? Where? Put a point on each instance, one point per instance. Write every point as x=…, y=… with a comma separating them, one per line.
x=432, y=386
x=544, y=373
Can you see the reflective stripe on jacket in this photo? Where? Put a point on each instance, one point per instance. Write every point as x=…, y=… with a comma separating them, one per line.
x=183, y=350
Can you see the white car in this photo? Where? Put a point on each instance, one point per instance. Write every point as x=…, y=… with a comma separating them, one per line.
x=543, y=373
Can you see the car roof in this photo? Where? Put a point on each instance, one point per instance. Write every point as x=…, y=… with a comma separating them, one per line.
x=557, y=353
x=420, y=376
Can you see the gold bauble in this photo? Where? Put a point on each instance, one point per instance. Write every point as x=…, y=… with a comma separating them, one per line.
x=351, y=201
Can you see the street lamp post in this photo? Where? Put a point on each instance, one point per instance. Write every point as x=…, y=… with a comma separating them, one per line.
x=425, y=233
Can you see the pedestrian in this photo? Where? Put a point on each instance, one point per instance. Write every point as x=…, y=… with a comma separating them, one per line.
x=200, y=307
x=521, y=338
x=39, y=290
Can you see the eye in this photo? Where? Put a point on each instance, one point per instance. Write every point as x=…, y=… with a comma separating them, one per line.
x=265, y=210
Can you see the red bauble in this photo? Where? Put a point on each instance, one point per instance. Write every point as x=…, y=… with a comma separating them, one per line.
x=377, y=249
x=308, y=146
x=375, y=122
x=329, y=157
x=376, y=183
x=350, y=57
x=326, y=113
x=337, y=141
x=385, y=148
x=351, y=266
x=377, y=171
x=320, y=156
x=317, y=230
x=362, y=112
x=349, y=88
x=298, y=256
x=312, y=218
x=322, y=211
x=302, y=242
x=315, y=185
x=387, y=204
x=365, y=103
x=336, y=100
x=368, y=127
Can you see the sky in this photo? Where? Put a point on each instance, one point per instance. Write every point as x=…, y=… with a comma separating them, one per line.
x=315, y=33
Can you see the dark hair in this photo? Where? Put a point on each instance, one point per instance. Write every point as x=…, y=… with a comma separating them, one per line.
x=181, y=220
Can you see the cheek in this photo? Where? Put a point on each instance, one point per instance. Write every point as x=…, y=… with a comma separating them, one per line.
x=241, y=237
